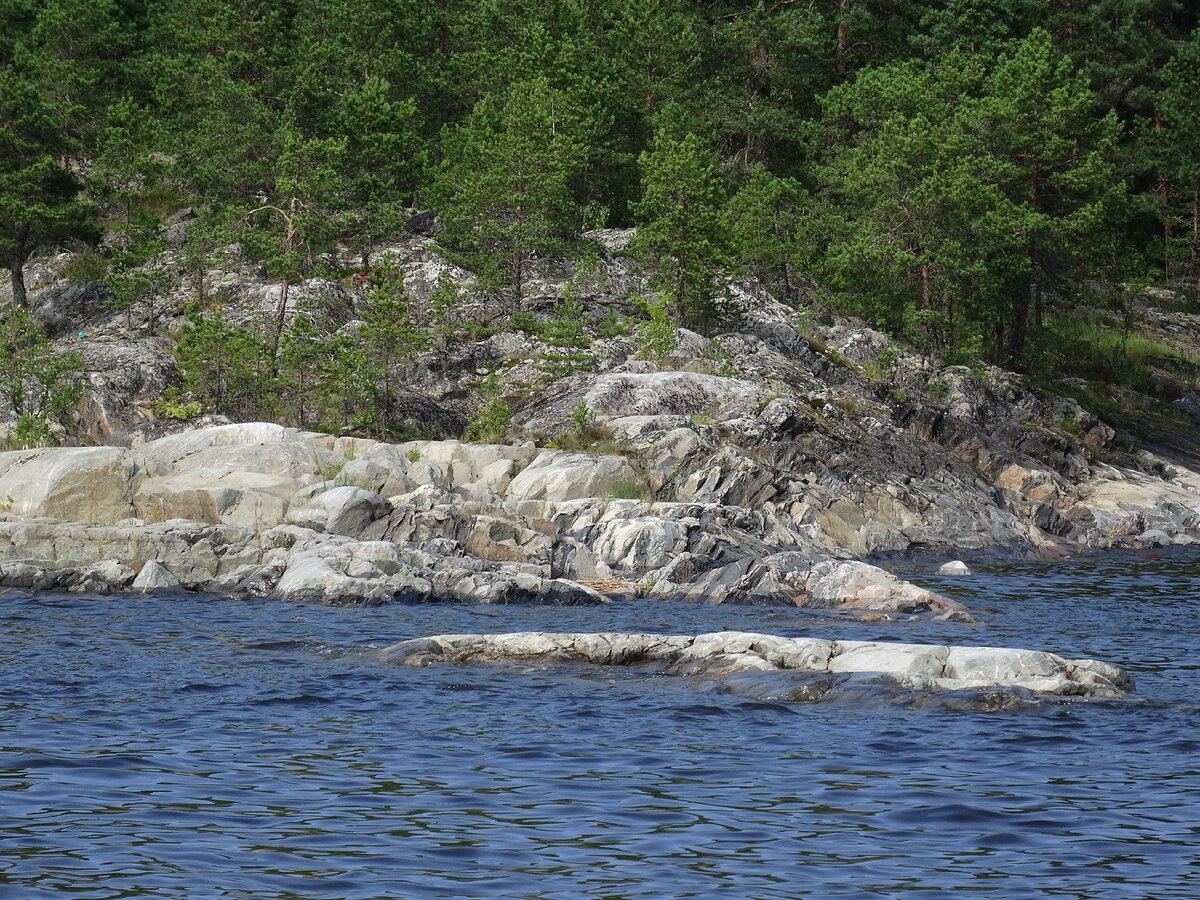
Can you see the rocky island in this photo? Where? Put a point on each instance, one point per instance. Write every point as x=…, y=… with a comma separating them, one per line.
x=769, y=464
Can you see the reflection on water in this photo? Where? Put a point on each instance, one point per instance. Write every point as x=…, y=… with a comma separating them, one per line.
x=190, y=747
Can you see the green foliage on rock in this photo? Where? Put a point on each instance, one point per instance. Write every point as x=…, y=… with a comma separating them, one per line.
x=38, y=385
x=681, y=227
x=494, y=417
x=226, y=367
x=957, y=171
x=567, y=351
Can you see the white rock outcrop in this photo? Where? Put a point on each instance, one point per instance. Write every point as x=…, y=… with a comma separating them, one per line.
x=731, y=654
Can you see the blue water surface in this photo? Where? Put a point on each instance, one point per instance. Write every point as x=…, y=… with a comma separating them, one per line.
x=199, y=747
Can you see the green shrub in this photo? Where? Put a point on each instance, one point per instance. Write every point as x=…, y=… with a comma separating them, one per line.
x=1085, y=347
x=524, y=320
x=615, y=325
x=85, y=267
x=580, y=419
x=926, y=329
x=567, y=352
x=489, y=425
x=170, y=406
x=444, y=303
x=37, y=384
x=628, y=489
x=1071, y=424
x=29, y=433
x=886, y=359
x=228, y=368
x=656, y=336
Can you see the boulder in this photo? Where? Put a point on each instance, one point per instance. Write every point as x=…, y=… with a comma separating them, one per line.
x=311, y=576
x=555, y=477
x=70, y=306
x=242, y=475
x=246, y=499
x=124, y=378
x=505, y=540
x=1155, y=537
x=955, y=567
x=181, y=452
x=155, y=578
x=374, y=477
x=562, y=592
x=340, y=510
x=847, y=584
x=93, y=485
x=637, y=544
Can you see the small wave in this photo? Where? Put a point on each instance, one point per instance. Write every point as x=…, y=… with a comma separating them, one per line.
x=44, y=761
x=296, y=700
x=203, y=687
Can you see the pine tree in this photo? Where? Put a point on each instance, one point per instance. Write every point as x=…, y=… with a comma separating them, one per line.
x=37, y=384
x=389, y=339
x=907, y=214
x=680, y=224
x=1177, y=140
x=768, y=66
x=227, y=367
x=504, y=188
x=764, y=224
x=40, y=201
x=1037, y=122
x=567, y=340
x=383, y=159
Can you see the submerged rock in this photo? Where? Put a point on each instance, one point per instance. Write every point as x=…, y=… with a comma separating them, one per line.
x=768, y=666
x=955, y=567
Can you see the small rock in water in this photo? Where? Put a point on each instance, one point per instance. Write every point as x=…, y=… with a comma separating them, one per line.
x=955, y=567
x=1155, y=537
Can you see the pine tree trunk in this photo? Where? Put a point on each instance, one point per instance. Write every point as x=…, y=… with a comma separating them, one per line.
x=1020, y=324
x=16, y=267
x=843, y=39
x=280, y=315
x=1164, y=196
x=17, y=270
x=1195, y=254
x=1037, y=304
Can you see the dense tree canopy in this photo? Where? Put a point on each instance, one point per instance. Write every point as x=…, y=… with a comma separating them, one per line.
x=958, y=164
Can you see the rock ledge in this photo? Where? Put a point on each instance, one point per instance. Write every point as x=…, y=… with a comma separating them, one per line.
x=808, y=661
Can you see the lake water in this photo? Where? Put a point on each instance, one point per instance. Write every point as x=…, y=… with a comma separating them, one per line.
x=195, y=747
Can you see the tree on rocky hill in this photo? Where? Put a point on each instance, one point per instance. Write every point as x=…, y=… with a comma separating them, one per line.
x=680, y=226
x=387, y=340
x=505, y=185
x=37, y=385
x=40, y=202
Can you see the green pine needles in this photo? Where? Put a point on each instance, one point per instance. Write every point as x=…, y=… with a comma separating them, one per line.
x=567, y=341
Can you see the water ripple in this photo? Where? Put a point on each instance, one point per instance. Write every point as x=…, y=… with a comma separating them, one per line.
x=188, y=747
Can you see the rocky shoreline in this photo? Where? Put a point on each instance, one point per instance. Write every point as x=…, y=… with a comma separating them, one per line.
x=263, y=510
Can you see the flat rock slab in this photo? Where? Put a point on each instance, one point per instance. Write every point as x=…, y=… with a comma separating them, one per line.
x=765, y=665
